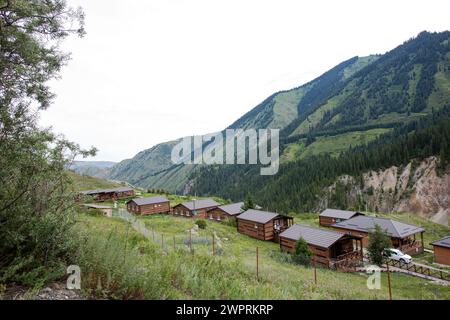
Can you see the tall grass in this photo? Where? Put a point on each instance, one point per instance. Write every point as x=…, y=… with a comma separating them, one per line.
x=118, y=263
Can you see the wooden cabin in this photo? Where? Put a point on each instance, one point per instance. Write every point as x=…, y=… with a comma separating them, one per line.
x=225, y=212
x=150, y=205
x=404, y=237
x=106, y=210
x=262, y=225
x=195, y=208
x=330, y=249
x=109, y=194
x=442, y=250
x=329, y=217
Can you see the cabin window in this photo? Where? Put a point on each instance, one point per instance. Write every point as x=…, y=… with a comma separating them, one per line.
x=211, y=217
x=256, y=226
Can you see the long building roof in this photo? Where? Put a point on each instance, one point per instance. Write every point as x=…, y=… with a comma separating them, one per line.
x=340, y=214
x=149, y=200
x=367, y=224
x=444, y=242
x=314, y=236
x=233, y=208
x=97, y=191
x=200, y=204
x=258, y=216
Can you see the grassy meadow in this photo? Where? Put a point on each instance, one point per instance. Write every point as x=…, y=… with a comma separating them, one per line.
x=118, y=262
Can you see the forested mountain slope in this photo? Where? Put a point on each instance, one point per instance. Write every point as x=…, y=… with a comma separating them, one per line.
x=351, y=105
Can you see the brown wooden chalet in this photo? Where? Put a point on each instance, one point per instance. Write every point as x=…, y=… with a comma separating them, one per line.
x=329, y=217
x=262, y=225
x=109, y=194
x=403, y=236
x=330, y=249
x=195, y=208
x=442, y=250
x=150, y=205
x=228, y=211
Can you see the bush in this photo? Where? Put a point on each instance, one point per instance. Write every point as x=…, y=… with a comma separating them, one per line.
x=201, y=224
x=230, y=222
x=378, y=241
x=302, y=254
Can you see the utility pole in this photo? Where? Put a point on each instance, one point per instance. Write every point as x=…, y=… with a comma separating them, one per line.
x=389, y=279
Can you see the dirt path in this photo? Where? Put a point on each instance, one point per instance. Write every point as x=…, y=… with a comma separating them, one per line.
x=54, y=291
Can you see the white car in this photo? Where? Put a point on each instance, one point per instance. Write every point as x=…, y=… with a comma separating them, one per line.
x=397, y=255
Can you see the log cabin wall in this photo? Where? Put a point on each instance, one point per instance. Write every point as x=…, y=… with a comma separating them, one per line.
x=322, y=255
x=363, y=235
x=255, y=230
x=326, y=221
x=217, y=214
x=182, y=211
x=146, y=209
x=442, y=255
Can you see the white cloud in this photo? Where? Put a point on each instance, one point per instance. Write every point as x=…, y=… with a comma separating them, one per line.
x=152, y=71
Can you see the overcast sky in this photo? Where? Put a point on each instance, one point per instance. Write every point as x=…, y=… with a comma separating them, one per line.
x=150, y=71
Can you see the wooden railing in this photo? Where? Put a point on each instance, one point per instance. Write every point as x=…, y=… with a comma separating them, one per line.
x=348, y=261
x=424, y=270
x=412, y=248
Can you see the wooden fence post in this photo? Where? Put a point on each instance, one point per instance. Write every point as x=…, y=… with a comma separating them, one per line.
x=174, y=246
x=389, y=280
x=257, y=263
x=213, y=244
x=190, y=240
x=315, y=270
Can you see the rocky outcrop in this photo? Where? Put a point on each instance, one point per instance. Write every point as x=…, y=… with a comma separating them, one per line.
x=416, y=188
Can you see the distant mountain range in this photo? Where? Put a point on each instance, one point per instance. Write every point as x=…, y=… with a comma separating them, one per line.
x=100, y=169
x=350, y=105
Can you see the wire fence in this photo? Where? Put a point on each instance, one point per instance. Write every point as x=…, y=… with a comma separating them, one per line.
x=192, y=241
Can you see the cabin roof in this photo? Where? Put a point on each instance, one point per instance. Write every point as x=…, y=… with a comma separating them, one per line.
x=149, y=200
x=96, y=206
x=200, y=204
x=97, y=191
x=258, y=216
x=393, y=228
x=233, y=208
x=340, y=214
x=444, y=242
x=314, y=236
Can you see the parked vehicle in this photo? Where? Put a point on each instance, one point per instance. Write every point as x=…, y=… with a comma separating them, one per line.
x=397, y=255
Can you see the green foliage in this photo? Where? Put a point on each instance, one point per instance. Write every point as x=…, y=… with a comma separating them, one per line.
x=248, y=203
x=117, y=263
x=300, y=185
x=302, y=254
x=379, y=240
x=201, y=223
x=36, y=205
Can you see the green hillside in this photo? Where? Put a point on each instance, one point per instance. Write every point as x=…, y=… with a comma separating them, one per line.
x=85, y=182
x=347, y=106
x=129, y=266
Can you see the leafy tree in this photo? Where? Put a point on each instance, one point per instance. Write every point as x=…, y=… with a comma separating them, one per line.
x=248, y=203
x=302, y=254
x=36, y=201
x=378, y=241
x=201, y=224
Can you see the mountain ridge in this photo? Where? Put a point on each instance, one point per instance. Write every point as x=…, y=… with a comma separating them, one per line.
x=357, y=95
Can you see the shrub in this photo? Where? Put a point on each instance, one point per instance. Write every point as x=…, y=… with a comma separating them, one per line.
x=201, y=224
x=302, y=254
x=378, y=241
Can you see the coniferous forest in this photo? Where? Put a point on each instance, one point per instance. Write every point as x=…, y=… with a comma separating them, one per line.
x=299, y=185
